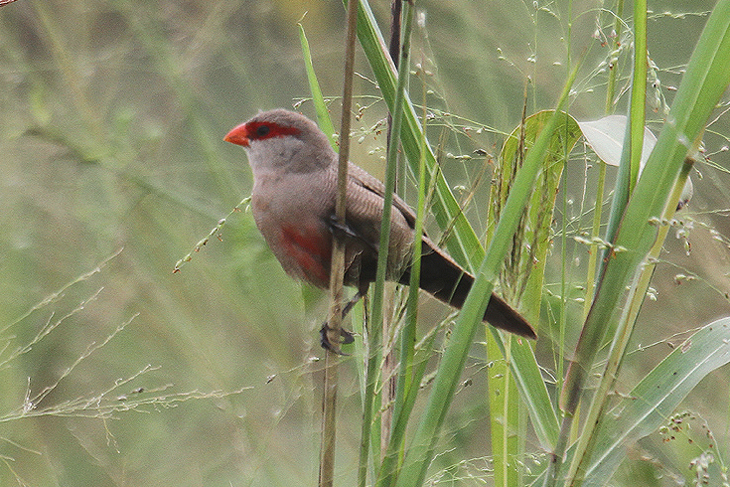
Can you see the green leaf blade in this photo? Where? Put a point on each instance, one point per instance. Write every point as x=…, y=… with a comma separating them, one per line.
x=657, y=396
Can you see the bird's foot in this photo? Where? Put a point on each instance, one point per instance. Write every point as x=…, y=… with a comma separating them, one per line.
x=345, y=338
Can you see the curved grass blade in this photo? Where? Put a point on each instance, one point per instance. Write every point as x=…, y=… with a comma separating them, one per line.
x=656, y=397
x=522, y=283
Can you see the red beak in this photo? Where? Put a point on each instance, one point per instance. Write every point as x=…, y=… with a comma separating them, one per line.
x=238, y=136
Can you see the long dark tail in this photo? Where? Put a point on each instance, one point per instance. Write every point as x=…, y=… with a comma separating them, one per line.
x=447, y=281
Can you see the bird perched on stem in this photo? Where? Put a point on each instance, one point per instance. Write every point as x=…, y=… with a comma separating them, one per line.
x=293, y=203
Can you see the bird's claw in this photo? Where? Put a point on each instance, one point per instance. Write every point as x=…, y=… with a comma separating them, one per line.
x=345, y=338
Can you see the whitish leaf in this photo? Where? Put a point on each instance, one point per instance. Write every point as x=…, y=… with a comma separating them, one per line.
x=606, y=138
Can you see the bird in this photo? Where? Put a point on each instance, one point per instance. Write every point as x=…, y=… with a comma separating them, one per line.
x=295, y=171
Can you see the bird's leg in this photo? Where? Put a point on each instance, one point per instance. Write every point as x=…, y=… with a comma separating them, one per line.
x=351, y=303
x=346, y=336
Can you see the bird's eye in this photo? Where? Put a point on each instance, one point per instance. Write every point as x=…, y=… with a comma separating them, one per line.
x=262, y=130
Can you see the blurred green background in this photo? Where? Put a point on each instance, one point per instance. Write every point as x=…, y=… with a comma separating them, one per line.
x=113, y=167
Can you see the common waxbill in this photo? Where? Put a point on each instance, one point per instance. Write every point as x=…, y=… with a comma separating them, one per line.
x=293, y=203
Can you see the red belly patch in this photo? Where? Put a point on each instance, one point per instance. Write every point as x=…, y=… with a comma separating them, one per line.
x=311, y=251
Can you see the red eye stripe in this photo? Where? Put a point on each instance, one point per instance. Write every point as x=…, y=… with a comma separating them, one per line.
x=267, y=130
